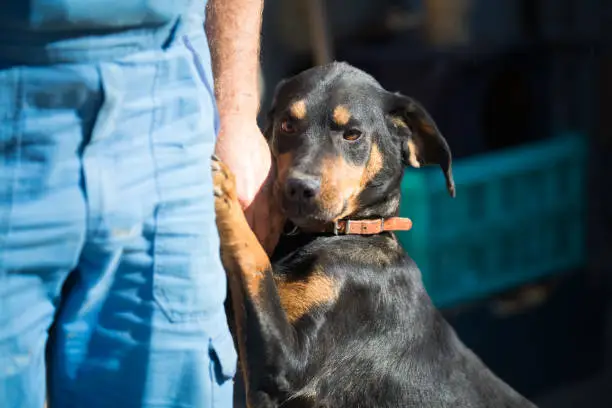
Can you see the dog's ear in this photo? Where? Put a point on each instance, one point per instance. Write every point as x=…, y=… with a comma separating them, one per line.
x=269, y=122
x=422, y=142
x=268, y=130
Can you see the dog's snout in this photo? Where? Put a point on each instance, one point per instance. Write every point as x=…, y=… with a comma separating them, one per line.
x=303, y=188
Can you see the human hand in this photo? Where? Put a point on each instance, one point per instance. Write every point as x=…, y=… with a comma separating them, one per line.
x=243, y=148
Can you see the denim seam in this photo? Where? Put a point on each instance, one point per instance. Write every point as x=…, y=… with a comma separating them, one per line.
x=201, y=72
x=150, y=39
x=17, y=135
x=155, y=243
x=93, y=215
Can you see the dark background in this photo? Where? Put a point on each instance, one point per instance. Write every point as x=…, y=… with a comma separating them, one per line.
x=498, y=77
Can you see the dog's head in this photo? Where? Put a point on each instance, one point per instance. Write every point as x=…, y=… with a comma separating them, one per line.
x=341, y=142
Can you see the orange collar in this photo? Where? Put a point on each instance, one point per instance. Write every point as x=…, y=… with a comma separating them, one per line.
x=363, y=227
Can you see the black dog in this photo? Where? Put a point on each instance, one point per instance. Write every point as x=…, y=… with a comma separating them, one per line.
x=339, y=317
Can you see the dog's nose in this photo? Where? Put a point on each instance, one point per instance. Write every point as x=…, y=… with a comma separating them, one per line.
x=305, y=188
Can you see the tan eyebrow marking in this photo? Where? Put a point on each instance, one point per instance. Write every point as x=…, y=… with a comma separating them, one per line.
x=341, y=115
x=298, y=109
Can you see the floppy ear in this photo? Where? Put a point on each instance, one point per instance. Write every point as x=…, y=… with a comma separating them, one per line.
x=422, y=142
x=268, y=131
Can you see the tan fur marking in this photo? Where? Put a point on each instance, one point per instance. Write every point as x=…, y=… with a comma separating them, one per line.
x=399, y=122
x=242, y=253
x=299, y=297
x=283, y=164
x=340, y=181
x=341, y=115
x=412, y=158
x=244, y=259
x=298, y=109
x=375, y=165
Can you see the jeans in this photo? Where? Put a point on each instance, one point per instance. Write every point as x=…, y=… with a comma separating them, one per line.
x=111, y=285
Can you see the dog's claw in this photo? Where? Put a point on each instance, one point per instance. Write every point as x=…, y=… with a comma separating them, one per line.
x=218, y=191
x=215, y=157
x=215, y=165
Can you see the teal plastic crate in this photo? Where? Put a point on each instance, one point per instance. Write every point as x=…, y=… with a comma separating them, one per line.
x=518, y=216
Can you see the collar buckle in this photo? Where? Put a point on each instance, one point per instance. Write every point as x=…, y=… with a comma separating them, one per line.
x=347, y=226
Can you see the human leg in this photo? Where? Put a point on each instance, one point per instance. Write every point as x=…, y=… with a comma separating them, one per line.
x=45, y=112
x=144, y=324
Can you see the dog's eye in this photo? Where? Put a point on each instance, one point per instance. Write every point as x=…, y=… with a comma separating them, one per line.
x=287, y=127
x=351, y=135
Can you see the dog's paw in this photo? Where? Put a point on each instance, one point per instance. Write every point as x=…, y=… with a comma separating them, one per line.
x=224, y=186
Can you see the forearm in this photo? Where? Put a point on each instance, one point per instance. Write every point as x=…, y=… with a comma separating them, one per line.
x=233, y=28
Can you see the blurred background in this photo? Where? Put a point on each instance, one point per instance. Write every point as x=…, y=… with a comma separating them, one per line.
x=520, y=261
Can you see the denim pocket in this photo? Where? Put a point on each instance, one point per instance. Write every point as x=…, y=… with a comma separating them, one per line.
x=189, y=280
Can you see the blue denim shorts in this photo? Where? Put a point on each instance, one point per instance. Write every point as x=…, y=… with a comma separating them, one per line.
x=111, y=286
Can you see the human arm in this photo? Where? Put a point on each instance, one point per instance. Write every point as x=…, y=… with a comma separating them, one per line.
x=233, y=29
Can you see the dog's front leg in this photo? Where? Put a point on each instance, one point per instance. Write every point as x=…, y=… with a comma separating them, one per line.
x=266, y=340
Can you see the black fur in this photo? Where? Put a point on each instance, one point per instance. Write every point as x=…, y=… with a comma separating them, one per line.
x=380, y=342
